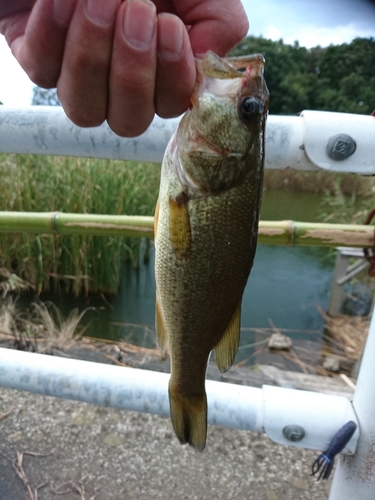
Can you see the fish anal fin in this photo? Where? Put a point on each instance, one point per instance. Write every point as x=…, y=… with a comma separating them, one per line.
x=179, y=226
x=189, y=418
x=161, y=332
x=226, y=348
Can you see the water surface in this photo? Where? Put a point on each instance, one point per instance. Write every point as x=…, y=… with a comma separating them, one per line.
x=285, y=287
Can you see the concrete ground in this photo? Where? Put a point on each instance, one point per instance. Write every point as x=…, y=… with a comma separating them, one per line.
x=76, y=451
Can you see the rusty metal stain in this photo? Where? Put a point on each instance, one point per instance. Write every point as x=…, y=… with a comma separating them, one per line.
x=339, y=236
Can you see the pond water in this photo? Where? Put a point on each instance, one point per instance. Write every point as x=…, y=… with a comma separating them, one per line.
x=285, y=287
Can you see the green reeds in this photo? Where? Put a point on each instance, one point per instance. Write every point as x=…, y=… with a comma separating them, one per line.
x=75, y=263
x=84, y=253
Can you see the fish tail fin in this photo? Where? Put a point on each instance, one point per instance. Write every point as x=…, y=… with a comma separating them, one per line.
x=189, y=418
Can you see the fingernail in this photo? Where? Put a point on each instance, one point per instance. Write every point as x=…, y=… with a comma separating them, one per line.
x=63, y=11
x=170, y=37
x=102, y=13
x=139, y=23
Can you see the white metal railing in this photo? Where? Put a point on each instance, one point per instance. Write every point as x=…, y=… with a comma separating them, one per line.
x=270, y=409
x=313, y=140
x=302, y=142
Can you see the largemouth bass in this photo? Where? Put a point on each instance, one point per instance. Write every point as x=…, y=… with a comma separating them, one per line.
x=206, y=224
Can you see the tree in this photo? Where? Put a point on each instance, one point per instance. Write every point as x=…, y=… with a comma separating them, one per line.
x=44, y=97
x=336, y=78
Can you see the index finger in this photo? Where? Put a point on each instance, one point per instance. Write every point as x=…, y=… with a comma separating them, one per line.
x=37, y=39
x=216, y=25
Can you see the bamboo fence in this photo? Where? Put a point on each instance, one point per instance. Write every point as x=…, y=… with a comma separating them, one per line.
x=285, y=232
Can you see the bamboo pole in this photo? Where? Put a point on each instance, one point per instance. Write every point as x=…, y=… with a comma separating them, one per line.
x=288, y=232
x=59, y=223
x=285, y=232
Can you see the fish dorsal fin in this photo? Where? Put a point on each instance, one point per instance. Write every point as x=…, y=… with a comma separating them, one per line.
x=161, y=332
x=156, y=218
x=226, y=348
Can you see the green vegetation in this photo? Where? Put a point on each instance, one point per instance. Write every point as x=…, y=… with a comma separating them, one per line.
x=75, y=264
x=336, y=78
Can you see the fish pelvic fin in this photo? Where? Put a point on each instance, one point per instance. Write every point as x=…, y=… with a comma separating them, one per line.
x=226, y=348
x=189, y=418
x=161, y=332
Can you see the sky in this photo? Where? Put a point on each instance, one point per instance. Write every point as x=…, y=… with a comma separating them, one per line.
x=311, y=22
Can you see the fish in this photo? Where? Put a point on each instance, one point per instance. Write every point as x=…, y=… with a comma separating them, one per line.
x=206, y=223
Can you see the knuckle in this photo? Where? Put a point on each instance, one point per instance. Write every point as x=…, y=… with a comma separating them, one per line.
x=85, y=64
x=129, y=129
x=84, y=117
x=141, y=82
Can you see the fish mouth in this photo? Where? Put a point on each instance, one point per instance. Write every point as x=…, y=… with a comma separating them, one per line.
x=216, y=154
x=205, y=147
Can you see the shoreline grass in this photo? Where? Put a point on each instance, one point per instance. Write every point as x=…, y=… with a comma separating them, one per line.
x=74, y=264
x=81, y=265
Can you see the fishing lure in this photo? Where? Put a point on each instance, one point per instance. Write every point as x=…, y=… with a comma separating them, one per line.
x=326, y=460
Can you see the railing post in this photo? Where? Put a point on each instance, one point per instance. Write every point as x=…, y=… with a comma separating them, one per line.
x=343, y=273
x=337, y=294
x=355, y=475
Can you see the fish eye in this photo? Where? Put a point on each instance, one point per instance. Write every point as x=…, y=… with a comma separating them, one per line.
x=249, y=108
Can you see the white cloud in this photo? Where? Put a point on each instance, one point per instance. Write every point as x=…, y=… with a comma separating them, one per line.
x=322, y=22
x=272, y=32
x=15, y=86
x=311, y=36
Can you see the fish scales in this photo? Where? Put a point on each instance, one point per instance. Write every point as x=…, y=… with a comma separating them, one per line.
x=206, y=230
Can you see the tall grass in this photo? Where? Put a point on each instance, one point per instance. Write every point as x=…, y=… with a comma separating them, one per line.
x=75, y=264
x=84, y=264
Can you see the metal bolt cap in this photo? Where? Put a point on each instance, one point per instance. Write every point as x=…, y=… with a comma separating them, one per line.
x=294, y=432
x=340, y=147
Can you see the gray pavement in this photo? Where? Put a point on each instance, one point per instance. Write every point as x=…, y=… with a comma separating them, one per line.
x=83, y=452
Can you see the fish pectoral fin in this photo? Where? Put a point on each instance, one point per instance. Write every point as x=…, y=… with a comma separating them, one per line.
x=179, y=226
x=161, y=332
x=226, y=348
x=189, y=418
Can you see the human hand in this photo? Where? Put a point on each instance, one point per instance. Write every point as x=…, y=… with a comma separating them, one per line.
x=119, y=61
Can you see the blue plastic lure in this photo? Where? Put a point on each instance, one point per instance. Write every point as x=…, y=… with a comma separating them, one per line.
x=326, y=460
